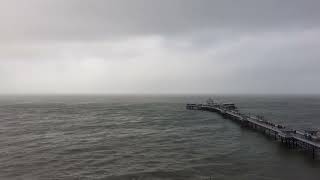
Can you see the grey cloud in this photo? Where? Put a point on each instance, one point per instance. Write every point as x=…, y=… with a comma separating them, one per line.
x=82, y=20
x=261, y=63
x=167, y=46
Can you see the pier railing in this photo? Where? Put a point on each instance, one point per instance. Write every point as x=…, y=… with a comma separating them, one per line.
x=290, y=137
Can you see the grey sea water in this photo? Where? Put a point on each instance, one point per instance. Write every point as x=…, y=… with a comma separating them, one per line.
x=149, y=137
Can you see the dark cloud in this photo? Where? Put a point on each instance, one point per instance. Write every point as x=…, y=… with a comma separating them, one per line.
x=98, y=20
x=160, y=46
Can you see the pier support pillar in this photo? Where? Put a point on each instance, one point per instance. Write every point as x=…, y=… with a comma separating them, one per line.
x=313, y=153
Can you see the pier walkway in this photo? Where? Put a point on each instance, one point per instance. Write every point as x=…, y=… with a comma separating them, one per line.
x=307, y=141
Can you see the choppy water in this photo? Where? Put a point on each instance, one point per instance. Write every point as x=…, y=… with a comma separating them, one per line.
x=154, y=137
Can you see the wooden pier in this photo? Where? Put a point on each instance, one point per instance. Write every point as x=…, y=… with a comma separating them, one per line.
x=307, y=141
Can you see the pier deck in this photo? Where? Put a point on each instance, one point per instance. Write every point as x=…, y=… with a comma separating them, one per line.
x=292, y=138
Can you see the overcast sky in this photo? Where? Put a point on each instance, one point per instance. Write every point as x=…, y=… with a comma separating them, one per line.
x=160, y=46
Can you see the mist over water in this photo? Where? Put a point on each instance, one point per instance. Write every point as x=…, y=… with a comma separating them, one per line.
x=149, y=137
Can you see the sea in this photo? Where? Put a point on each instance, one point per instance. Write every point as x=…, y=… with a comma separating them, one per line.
x=150, y=137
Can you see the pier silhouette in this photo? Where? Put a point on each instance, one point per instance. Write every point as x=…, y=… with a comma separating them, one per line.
x=307, y=140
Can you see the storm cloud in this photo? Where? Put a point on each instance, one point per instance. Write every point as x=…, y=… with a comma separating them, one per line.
x=167, y=46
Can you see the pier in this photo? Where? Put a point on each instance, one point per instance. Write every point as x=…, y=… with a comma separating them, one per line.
x=307, y=140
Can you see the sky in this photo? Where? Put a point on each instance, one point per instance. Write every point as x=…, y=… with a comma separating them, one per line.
x=159, y=47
